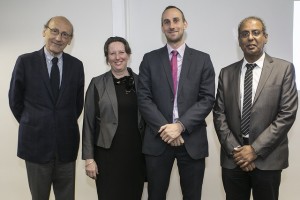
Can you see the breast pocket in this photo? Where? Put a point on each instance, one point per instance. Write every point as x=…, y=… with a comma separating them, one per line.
x=270, y=97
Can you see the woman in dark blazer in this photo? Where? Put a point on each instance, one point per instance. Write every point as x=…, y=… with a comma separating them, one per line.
x=113, y=128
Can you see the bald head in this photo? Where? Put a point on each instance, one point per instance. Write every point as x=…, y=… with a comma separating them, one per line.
x=60, y=19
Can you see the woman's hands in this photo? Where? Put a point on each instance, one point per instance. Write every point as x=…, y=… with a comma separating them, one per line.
x=91, y=168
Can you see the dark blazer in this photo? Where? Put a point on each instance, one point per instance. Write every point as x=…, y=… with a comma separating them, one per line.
x=196, y=91
x=46, y=127
x=101, y=114
x=273, y=113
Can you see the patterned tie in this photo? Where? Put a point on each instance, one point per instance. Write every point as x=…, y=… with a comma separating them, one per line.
x=247, y=103
x=174, y=69
x=54, y=78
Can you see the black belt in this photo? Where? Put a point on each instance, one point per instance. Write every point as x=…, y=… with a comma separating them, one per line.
x=246, y=141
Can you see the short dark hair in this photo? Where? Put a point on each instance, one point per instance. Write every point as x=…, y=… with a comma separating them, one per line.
x=116, y=39
x=170, y=7
x=264, y=28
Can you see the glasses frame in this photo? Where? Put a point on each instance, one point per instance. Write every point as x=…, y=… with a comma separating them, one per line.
x=254, y=33
x=56, y=32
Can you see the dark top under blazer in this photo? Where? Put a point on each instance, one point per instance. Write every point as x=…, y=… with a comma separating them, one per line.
x=101, y=114
x=196, y=91
x=273, y=113
x=46, y=127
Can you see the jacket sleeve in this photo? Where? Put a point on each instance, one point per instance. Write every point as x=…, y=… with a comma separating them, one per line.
x=17, y=89
x=89, y=122
x=226, y=137
x=80, y=91
x=149, y=110
x=286, y=115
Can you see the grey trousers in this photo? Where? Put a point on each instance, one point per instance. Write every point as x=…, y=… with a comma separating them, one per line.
x=42, y=176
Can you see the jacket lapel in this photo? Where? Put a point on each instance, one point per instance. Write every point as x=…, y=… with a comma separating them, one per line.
x=186, y=63
x=265, y=74
x=66, y=75
x=237, y=81
x=111, y=92
x=44, y=72
x=164, y=57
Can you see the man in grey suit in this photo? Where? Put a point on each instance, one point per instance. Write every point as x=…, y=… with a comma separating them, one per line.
x=46, y=98
x=253, y=154
x=175, y=108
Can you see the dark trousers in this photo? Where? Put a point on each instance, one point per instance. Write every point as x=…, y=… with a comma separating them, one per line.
x=159, y=168
x=238, y=184
x=42, y=176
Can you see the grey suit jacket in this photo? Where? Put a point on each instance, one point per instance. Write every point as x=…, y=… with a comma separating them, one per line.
x=101, y=114
x=273, y=113
x=196, y=90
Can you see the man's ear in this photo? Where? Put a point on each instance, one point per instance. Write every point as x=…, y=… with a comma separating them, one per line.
x=185, y=25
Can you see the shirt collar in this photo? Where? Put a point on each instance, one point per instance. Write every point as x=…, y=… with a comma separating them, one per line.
x=259, y=62
x=49, y=56
x=180, y=49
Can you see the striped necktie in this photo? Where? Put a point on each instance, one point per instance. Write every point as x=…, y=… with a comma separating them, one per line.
x=247, y=103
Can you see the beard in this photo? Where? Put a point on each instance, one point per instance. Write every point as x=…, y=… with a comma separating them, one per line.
x=174, y=40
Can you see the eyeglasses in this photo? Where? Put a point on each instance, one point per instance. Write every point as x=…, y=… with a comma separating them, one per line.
x=255, y=33
x=55, y=31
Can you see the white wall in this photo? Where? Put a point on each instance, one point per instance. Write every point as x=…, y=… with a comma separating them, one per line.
x=212, y=28
x=296, y=40
x=21, y=25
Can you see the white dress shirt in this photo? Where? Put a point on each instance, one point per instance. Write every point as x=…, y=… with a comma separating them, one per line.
x=256, y=76
x=180, y=54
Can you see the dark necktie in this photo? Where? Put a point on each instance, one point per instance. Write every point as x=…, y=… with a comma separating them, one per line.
x=54, y=78
x=247, y=103
x=174, y=69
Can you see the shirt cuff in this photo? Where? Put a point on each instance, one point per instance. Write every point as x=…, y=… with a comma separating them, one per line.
x=181, y=124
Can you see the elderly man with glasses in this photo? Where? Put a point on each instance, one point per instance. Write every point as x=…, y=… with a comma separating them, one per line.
x=46, y=97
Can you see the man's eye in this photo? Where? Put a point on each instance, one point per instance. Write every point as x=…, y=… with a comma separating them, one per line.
x=256, y=33
x=245, y=34
x=166, y=22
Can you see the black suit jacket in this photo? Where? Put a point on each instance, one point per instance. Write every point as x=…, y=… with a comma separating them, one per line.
x=46, y=128
x=195, y=99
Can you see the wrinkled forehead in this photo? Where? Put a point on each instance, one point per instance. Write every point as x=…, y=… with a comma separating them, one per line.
x=62, y=24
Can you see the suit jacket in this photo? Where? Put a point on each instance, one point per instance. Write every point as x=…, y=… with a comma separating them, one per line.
x=273, y=113
x=46, y=128
x=196, y=90
x=101, y=114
